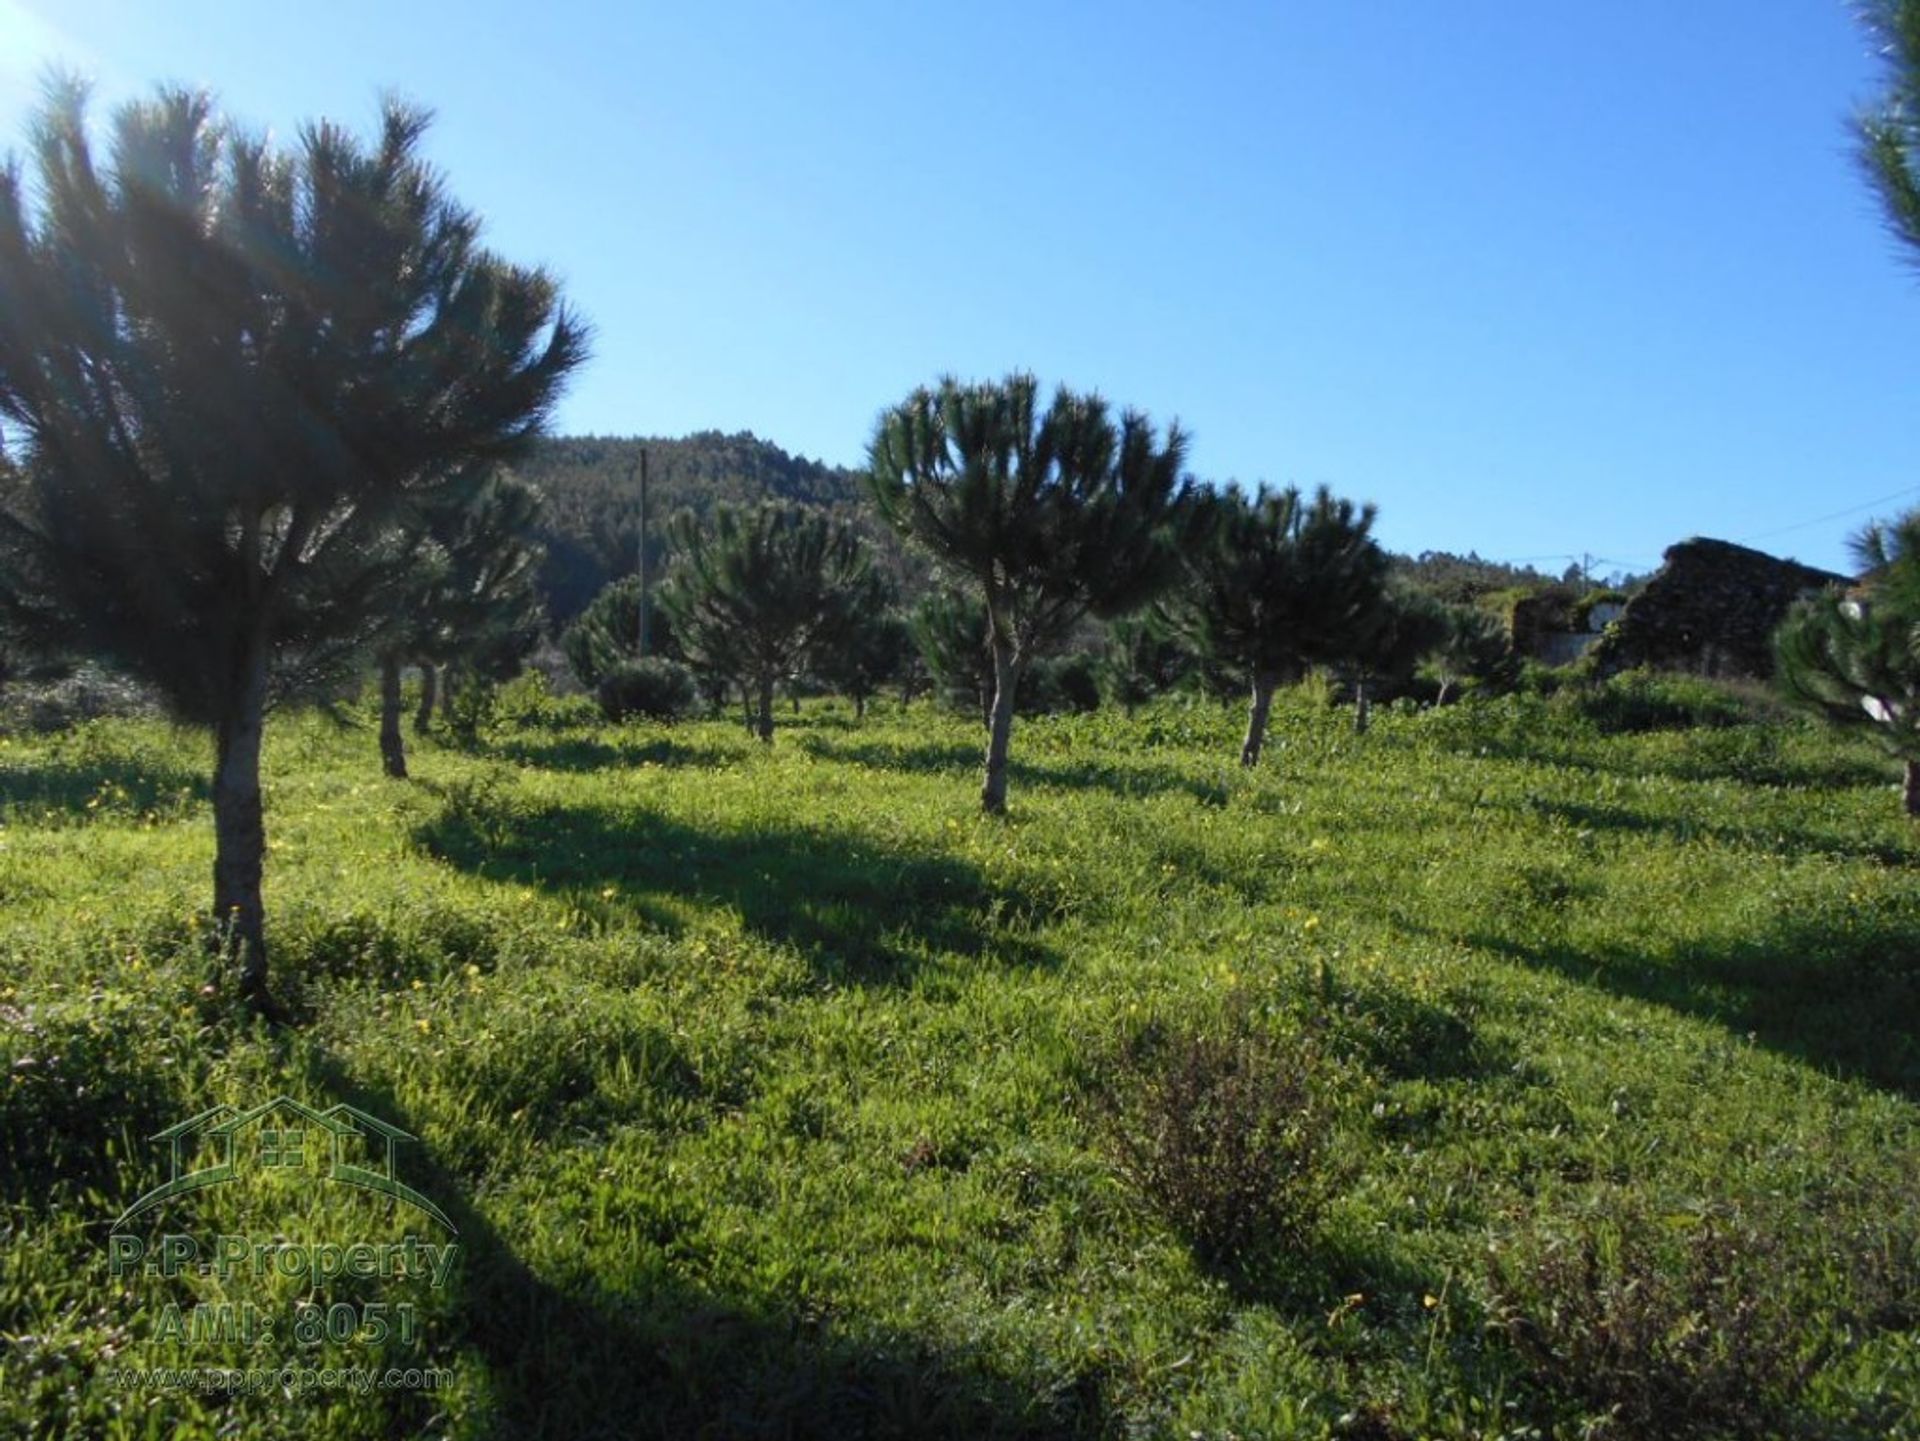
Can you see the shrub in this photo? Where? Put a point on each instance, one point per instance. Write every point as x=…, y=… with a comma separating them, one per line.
x=1223, y=1132
x=88, y=693
x=1062, y=683
x=1678, y=1325
x=529, y=702
x=469, y=707
x=1638, y=701
x=1537, y=679
x=657, y=689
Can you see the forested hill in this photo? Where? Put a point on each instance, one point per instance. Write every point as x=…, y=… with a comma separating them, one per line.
x=592, y=486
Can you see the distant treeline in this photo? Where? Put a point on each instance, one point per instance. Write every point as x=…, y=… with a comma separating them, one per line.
x=591, y=528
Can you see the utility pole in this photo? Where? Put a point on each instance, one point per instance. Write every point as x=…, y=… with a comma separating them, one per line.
x=643, y=553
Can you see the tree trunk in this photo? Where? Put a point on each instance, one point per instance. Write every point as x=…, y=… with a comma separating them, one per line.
x=794, y=696
x=429, y=694
x=1263, y=684
x=239, y=829
x=1910, y=789
x=393, y=750
x=764, y=726
x=1446, y=689
x=1006, y=676
x=1362, y=711
x=860, y=705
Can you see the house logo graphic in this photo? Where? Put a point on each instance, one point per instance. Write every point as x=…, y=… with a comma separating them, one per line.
x=284, y=1135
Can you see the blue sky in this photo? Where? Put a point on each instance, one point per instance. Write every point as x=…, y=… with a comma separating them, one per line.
x=1538, y=278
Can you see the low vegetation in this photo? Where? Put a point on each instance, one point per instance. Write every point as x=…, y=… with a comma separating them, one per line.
x=1563, y=1050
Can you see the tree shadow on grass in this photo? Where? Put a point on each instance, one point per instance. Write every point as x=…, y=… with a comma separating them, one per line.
x=1846, y=1002
x=942, y=758
x=858, y=912
x=1797, y=842
x=919, y=758
x=636, y=1348
x=589, y=753
x=1756, y=762
x=107, y=786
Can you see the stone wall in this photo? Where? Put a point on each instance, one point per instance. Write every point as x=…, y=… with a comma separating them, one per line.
x=1711, y=608
x=1534, y=617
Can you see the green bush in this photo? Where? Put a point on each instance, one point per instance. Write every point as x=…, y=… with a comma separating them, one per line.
x=41, y=707
x=469, y=708
x=1061, y=683
x=528, y=703
x=1637, y=701
x=653, y=688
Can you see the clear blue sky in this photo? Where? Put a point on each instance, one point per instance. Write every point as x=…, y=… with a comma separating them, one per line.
x=1538, y=278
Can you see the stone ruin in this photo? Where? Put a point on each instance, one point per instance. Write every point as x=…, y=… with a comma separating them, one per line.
x=1710, y=609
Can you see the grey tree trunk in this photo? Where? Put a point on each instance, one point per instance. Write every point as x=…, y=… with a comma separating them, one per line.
x=239, y=829
x=1006, y=677
x=1446, y=690
x=1910, y=789
x=393, y=749
x=1362, y=709
x=1263, y=684
x=429, y=694
x=763, y=726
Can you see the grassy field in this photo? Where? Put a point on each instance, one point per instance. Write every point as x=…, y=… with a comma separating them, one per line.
x=1535, y=1067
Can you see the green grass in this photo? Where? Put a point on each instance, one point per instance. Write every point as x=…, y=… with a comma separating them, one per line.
x=766, y=1087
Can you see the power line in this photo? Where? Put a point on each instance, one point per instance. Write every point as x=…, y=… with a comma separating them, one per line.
x=1587, y=556
x=1836, y=515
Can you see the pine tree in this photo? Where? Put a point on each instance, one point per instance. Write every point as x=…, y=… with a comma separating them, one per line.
x=1282, y=586
x=473, y=600
x=1142, y=657
x=1476, y=650
x=227, y=373
x=1403, y=629
x=1854, y=659
x=867, y=645
x=950, y=630
x=1048, y=515
x=607, y=633
x=754, y=590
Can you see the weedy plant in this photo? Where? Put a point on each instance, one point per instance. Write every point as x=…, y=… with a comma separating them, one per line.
x=1688, y=1323
x=1223, y=1130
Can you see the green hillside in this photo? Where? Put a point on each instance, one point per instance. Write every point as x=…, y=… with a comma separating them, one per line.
x=1526, y=1068
x=592, y=488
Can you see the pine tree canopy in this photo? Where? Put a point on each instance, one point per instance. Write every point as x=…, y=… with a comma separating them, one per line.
x=754, y=591
x=1054, y=514
x=1889, y=133
x=475, y=595
x=1285, y=584
x=1405, y=627
x=226, y=372
x=1855, y=658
